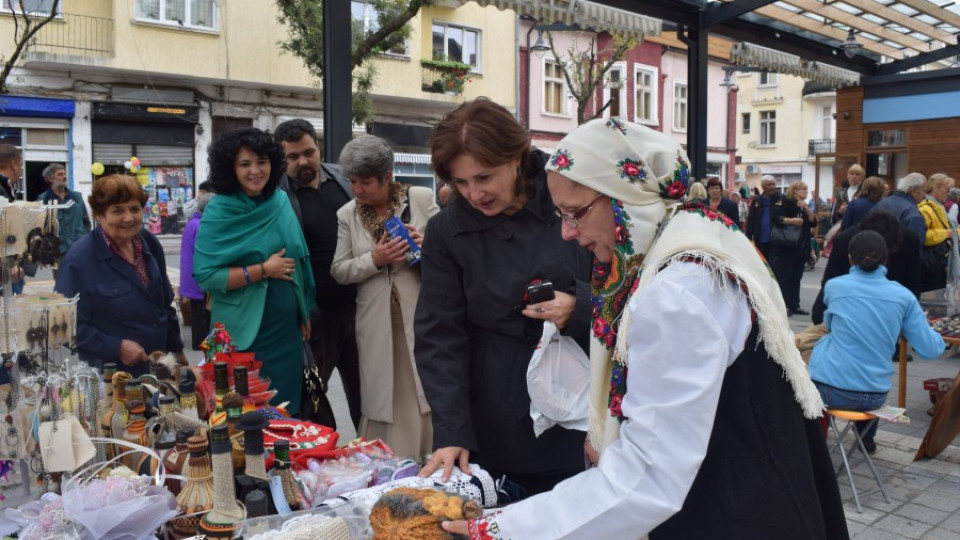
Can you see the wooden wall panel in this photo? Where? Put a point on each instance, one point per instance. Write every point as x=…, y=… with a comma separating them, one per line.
x=850, y=141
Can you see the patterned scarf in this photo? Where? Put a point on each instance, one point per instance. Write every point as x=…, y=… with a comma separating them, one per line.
x=372, y=221
x=644, y=172
x=138, y=263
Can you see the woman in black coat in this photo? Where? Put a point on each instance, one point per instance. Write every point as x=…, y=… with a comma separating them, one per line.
x=475, y=330
x=903, y=265
x=789, y=260
x=716, y=201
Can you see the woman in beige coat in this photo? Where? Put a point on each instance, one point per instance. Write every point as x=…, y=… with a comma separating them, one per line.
x=393, y=405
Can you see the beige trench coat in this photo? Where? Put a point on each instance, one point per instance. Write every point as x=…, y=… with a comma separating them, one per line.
x=353, y=263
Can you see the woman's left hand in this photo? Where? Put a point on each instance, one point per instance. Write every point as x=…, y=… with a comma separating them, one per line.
x=305, y=331
x=415, y=234
x=455, y=527
x=558, y=311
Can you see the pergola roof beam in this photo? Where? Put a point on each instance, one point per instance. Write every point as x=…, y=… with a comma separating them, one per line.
x=718, y=13
x=920, y=60
x=806, y=23
x=858, y=23
x=931, y=9
x=894, y=16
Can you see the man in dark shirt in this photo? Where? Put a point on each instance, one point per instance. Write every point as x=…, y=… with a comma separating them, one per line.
x=317, y=190
x=758, y=217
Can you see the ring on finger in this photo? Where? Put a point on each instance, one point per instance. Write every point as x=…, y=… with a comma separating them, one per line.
x=539, y=310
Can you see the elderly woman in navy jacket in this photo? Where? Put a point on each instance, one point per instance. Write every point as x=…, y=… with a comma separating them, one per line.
x=125, y=309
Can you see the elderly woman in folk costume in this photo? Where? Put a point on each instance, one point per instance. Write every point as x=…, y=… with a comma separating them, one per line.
x=696, y=434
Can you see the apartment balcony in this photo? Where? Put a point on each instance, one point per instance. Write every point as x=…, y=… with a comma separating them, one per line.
x=821, y=146
x=72, y=39
x=442, y=77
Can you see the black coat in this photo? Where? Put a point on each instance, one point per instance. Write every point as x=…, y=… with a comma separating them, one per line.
x=903, y=266
x=472, y=343
x=728, y=208
x=787, y=208
x=767, y=473
x=755, y=214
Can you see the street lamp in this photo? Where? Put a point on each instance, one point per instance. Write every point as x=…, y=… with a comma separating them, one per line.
x=539, y=46
x=850, y=46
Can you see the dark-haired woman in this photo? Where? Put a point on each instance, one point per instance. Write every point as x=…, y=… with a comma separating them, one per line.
x=475, y=331
x=125, y=309
x=716, y=200
x=866, y=313
x=252, y=259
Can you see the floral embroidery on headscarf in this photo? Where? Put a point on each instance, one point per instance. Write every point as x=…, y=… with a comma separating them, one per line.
x=612, y=283
x=675, y=187
x=711, y=214
x=632, y=170
x=562, y=160
x=615, y=123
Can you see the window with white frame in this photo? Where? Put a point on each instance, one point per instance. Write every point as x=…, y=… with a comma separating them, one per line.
x=200, y=14
x=768, y=128
x=745, y=123
x=765, y=78
x=553, y=94
x=615, y=91
x=680, y=106
x=365, y=16
x=456, y=44
x=645, y=94
x=32, y=7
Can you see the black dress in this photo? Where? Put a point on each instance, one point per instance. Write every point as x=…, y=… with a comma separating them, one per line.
x=472, y=343
x=788, y=261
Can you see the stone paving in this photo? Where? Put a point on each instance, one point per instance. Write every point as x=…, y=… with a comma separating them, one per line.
x=924, y=495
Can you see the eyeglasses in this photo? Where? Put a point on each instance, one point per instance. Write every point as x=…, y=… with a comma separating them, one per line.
x=573, y=220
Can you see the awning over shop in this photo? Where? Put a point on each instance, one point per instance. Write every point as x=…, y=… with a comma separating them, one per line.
x=36, y=106
x=586, y=15
x=747, y=54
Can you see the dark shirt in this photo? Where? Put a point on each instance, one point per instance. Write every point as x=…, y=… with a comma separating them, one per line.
x=764, y=221
x=6, y=188
x=320, y=231
x=856, y=209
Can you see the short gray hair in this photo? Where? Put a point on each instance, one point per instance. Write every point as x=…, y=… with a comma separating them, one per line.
x=52, y=168
x=767, y=178
x=911, y=181
x=202, y=201
x=367, y=156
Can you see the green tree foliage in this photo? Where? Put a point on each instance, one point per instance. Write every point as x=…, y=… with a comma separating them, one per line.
x=304, y=19
x=26, y=24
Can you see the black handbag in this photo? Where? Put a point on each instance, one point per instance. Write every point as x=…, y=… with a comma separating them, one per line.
x=785, y=236
x=934, y=258
x=314, y=405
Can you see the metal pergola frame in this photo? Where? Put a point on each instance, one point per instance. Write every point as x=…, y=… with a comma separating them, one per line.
x=812, y=29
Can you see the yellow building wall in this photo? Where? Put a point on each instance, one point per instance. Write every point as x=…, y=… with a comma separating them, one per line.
x=791, y=130
x=244, y=48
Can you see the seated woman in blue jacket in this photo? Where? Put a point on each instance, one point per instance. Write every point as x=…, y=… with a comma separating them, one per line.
x=125, y=310
x=866, y=313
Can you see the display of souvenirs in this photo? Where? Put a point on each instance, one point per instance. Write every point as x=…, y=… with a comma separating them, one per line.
x=948, y=327
x=415, y=514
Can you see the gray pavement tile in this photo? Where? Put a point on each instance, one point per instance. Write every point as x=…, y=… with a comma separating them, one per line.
x=922, y=513
x=938, y=501
x=937, y=533
x=920, y=471
x=871, y=533
x=909, y=480
x=853, y=528
x=904, y=527
x=868, y=516
x=952, y=524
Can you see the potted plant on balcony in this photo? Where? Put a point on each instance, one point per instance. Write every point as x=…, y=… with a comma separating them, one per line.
x=453, y=82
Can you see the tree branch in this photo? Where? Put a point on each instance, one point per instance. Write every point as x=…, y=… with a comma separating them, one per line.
x=363, y=49
x=21, y=40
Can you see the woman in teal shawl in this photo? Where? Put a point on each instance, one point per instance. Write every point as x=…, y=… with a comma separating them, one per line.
x=252, y=259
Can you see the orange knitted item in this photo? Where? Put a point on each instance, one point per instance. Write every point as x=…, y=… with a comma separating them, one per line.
x=415, y=514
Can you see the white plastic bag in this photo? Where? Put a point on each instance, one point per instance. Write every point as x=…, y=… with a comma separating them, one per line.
x=558, y=380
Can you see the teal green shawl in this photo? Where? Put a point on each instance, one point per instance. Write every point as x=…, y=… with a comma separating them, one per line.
x=236, y=231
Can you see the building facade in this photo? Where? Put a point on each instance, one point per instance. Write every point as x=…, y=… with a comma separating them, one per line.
x=108, y=80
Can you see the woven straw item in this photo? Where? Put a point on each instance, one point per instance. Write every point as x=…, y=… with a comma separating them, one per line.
x=196, y=497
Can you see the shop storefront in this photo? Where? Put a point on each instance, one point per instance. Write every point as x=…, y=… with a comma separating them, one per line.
x=40, y=128
x=163, y=138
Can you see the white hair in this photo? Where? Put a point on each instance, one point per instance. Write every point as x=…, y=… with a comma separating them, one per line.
x=910, y=181
x=767, y=178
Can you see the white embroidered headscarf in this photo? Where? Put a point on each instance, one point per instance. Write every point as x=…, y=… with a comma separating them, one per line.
x=645, y=172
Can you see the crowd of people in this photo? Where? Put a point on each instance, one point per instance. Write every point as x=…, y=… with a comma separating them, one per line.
x=295, y=256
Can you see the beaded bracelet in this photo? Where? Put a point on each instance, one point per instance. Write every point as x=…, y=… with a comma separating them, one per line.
x=246, y=275
x=263, y=271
